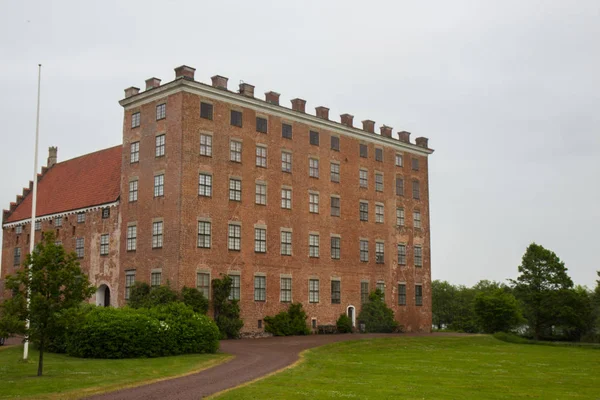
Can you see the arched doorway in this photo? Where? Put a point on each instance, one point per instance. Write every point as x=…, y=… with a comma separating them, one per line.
x=103, y=296
x=351, y=312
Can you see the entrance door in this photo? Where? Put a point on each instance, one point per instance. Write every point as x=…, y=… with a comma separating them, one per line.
x=107, y=297
x=351, y=314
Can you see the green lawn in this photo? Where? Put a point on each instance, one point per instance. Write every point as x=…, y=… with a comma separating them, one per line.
x=71, y=378
x=473, y=367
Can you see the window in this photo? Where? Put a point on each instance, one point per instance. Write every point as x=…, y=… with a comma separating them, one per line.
x=161, y=111
x=234, y=293
x=364, y=250
x=261, y=156
x=417, y=219
x=203, y=283
x=418, y=256
x=105, y=213
x=415, y=164
x=235, y=189
x=364, y=292
x=206, y=111
x=58, y=221
x=363, y=151
x=285, y=293
x=104, y=244
x=155, y=278
x=334, y=169
x=17, y=256
x=313, y=167
x=131, y=238
x=134, y=152
x=260, y=240
x=379, y=252
x=135, y=120
x=418, y=295
x=313, y=291
x=378, y=182
x=205, y=185
x=79, y=250
x=133, y=191
x=399, y=186
x=363, y=210
x=80, y=218
x=363, y=178
x=159, y=185
x=235, y=151
x=129, y=281
x=286, y=243
x=378, y=154
x=335, y=247
x=314, y=138
x=157, y=235
x=379, y=215
x=260, y=288
x=286, y=161
x=234, y=237
x=261, y=194
x=286, y=131
x=38, y=225
x=401, y=254
x=204, y=234
x=313, y=203
x=236, y=118
x=336, y=292
x=313, y=246
x=335, y=206
x=401, y=294
x=261, y=125
x=160, y=146
x=381, y=287
x=398, y=160
x=399, y=217
x=415, y=189
x=286, y=198
x=19, y=230
x=206, y=145
x=335, y=143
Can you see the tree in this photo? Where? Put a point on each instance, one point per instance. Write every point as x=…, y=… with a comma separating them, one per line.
x=376, y=315
x=443, y=303
x=464, y=319
x=497, y=311
x=542, y=276
x=226, y=311
x=195, y=299
x=56, y=284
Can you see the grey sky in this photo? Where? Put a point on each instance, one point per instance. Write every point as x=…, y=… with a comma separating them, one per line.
x=508, y=93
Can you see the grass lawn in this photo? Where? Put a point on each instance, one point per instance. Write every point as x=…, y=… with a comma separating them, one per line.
x=473, y=367
x=71, y=378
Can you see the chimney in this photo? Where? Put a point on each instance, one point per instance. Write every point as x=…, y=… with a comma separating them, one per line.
x=131, y=91
x=52, y=156
x=322, y=112
x=386, y=131
x=404, y=136
x=422, y=141
x=152, y=83
x=369, y=126
x=220, y=82
x=347, y=119
x=247, y=90
x=298, y=105
x=185, y=72
x=272, y=97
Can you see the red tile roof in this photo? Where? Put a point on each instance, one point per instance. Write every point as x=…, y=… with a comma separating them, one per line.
x=81, y=182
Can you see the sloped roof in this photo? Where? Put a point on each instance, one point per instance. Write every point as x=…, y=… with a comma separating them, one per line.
x=81, y=182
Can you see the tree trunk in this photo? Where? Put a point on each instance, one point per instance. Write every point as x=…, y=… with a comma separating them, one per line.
x=41, y=359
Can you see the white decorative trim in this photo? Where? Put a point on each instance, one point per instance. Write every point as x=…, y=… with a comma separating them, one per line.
x=61, y=214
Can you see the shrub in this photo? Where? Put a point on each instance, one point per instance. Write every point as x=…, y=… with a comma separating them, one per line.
x=226, y=312
x=326, y=329
x=143, y=296
x=497, y=311
x=344, y=324
x=376, y=315
x=287, y=323
x=66, y=321
x=195, y=299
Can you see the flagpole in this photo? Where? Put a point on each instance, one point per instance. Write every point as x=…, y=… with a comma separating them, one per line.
x=33, y=206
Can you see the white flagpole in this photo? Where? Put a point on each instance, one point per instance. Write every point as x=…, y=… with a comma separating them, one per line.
x=33, y=204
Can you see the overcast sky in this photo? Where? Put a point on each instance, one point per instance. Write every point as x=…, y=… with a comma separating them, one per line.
x=508, y=93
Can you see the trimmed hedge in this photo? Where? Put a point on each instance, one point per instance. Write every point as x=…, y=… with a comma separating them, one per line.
x=129, y=333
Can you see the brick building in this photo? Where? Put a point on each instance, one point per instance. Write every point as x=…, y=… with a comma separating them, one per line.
x=208, y=181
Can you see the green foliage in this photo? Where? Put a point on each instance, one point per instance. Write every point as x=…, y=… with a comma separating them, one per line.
x=512, y=338
x=376, y=315
x=464, y=311
x=497, y=311
x=128, y=333
x=443, y=295
x=226, y=312
x=143, y=296
x=344, y=324
x=195, y=299
x=66, y=321
x=287, y=323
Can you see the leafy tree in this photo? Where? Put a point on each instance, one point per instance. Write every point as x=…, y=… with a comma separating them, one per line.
x=56, y=284
x=290, y=322
x=376, y=315
x=195, y=299
x=464, y=319
x=139, y=296
x=144, y=296
x=443, y=303
x=497, y=311
x=344, y=324
x=575, y=312
x=226, y=311
x=542, y=276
